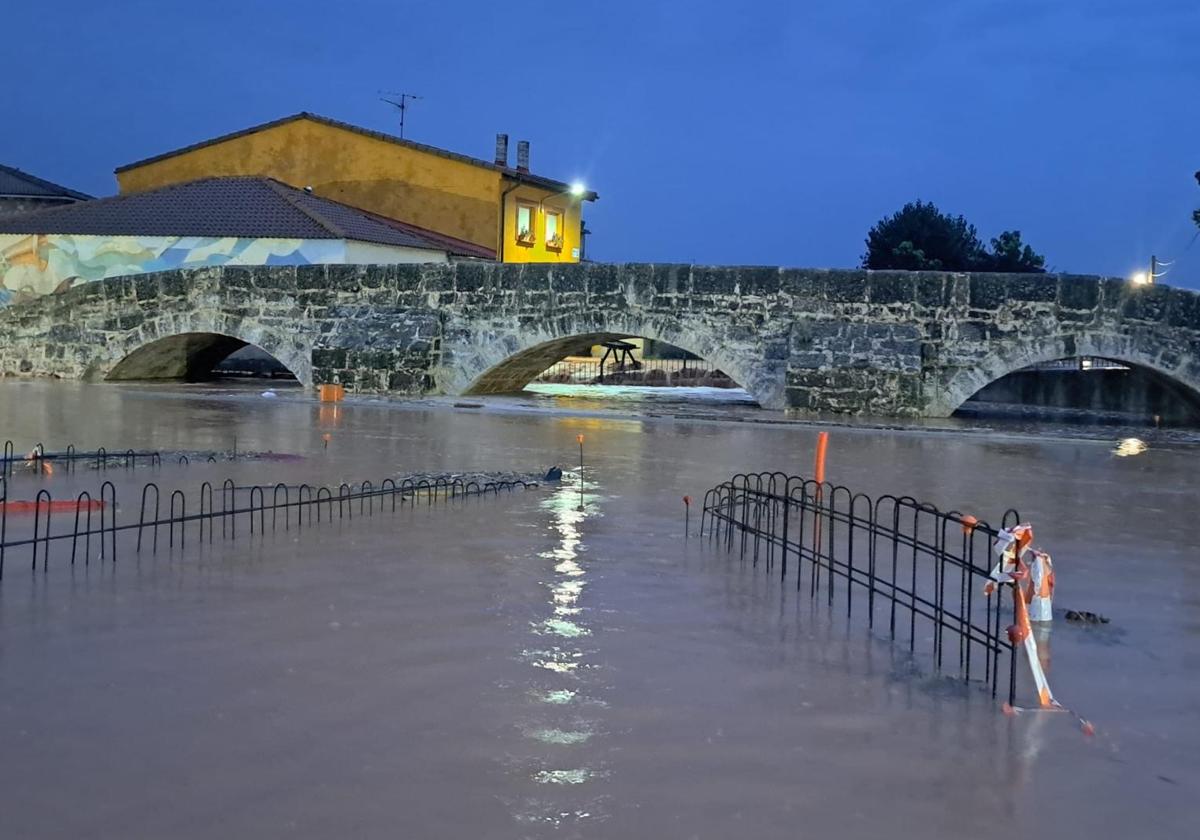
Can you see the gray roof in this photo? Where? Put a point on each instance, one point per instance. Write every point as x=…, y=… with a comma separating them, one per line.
x=249, y=207
x=14, y=182
x=507, y=171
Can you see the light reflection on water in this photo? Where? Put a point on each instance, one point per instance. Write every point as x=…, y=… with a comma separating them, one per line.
x=559, y=763
x=1130, y=446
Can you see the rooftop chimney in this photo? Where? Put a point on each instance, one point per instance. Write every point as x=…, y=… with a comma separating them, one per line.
x=522, y=155
x=502, y=150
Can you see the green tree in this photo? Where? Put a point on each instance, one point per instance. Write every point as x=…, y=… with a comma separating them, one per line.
x=921, y=238
x=1011, y=255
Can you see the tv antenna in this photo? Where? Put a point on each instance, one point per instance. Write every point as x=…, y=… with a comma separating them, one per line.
x=402, y=104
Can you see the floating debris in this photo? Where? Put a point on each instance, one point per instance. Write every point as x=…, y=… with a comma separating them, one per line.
x=1085, y=617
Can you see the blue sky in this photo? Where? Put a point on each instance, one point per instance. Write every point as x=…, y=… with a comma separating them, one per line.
x=763, y=133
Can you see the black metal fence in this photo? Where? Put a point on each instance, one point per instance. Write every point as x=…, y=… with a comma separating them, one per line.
x=37, y=459
x=31, y=525
x=919, y=571
x=648, y=372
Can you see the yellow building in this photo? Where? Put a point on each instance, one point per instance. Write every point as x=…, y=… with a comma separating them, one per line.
x=518, y=216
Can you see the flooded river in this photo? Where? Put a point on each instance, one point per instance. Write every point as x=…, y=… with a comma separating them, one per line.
x=518, y=667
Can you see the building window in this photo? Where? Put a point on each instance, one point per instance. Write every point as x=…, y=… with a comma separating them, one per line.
x=554, y=229
x=526, y=213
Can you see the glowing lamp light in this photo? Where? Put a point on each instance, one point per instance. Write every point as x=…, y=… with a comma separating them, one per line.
x=578, y=189
x=1141, y=278
x=1127, y=447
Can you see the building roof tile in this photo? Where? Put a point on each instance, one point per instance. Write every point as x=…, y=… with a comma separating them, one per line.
x=14, y=182
x=242, y=206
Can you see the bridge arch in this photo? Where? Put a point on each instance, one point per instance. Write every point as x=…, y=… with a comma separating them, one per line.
x=189, y=346
x=504, y=360
x=1141, y=350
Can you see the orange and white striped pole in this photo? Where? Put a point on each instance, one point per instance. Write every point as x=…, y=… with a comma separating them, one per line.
x=1012, y=545
x=819, y=477
x=1022, y=632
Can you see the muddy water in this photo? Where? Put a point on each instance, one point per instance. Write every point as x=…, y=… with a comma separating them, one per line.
x=518, y=667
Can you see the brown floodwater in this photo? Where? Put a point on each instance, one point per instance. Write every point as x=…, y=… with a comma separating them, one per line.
x=514, y=667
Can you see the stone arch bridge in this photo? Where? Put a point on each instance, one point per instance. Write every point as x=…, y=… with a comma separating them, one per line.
x=880, y=343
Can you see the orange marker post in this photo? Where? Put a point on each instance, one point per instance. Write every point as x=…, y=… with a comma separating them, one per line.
x=579, y=439
x=819, y=475
x=819, y=467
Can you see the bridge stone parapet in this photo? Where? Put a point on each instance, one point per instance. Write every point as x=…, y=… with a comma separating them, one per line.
x=860, y=342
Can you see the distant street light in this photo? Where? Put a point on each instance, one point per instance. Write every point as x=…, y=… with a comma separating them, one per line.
x=1141, y=278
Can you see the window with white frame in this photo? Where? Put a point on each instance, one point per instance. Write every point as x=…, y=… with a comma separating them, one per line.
x=526, y=214
x=554, y=229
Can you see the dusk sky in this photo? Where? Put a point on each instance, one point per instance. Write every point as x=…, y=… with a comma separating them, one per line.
x=767, y=133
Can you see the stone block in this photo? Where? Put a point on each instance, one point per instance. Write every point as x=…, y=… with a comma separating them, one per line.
x=758, y=281
x=805, y=286
x=1146, y=303
x=713, y=282
x=846, y=287
x=145, y=287
x=328, y=358
x=1183, y=309
x=239, y=278
x=437, y=277
x=891, y=287
x=471, y=276
x=311, y=277
x=811, y=359
x=932, y=290
x=602, y=279
x=280, y=278
x=1032, y=287
x=988, y=291
x=1076, y=292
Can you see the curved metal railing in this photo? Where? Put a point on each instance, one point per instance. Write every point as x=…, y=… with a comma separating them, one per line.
x=921, y=570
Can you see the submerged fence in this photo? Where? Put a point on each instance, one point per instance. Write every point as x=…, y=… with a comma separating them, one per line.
x=31, y=525
x=100, y=458
x=901, y=562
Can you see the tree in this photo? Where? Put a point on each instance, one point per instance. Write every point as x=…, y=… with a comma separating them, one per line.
x=922, y=238
x=1011, y=255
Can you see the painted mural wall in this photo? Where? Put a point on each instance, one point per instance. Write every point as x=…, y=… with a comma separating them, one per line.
x=42, y=264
